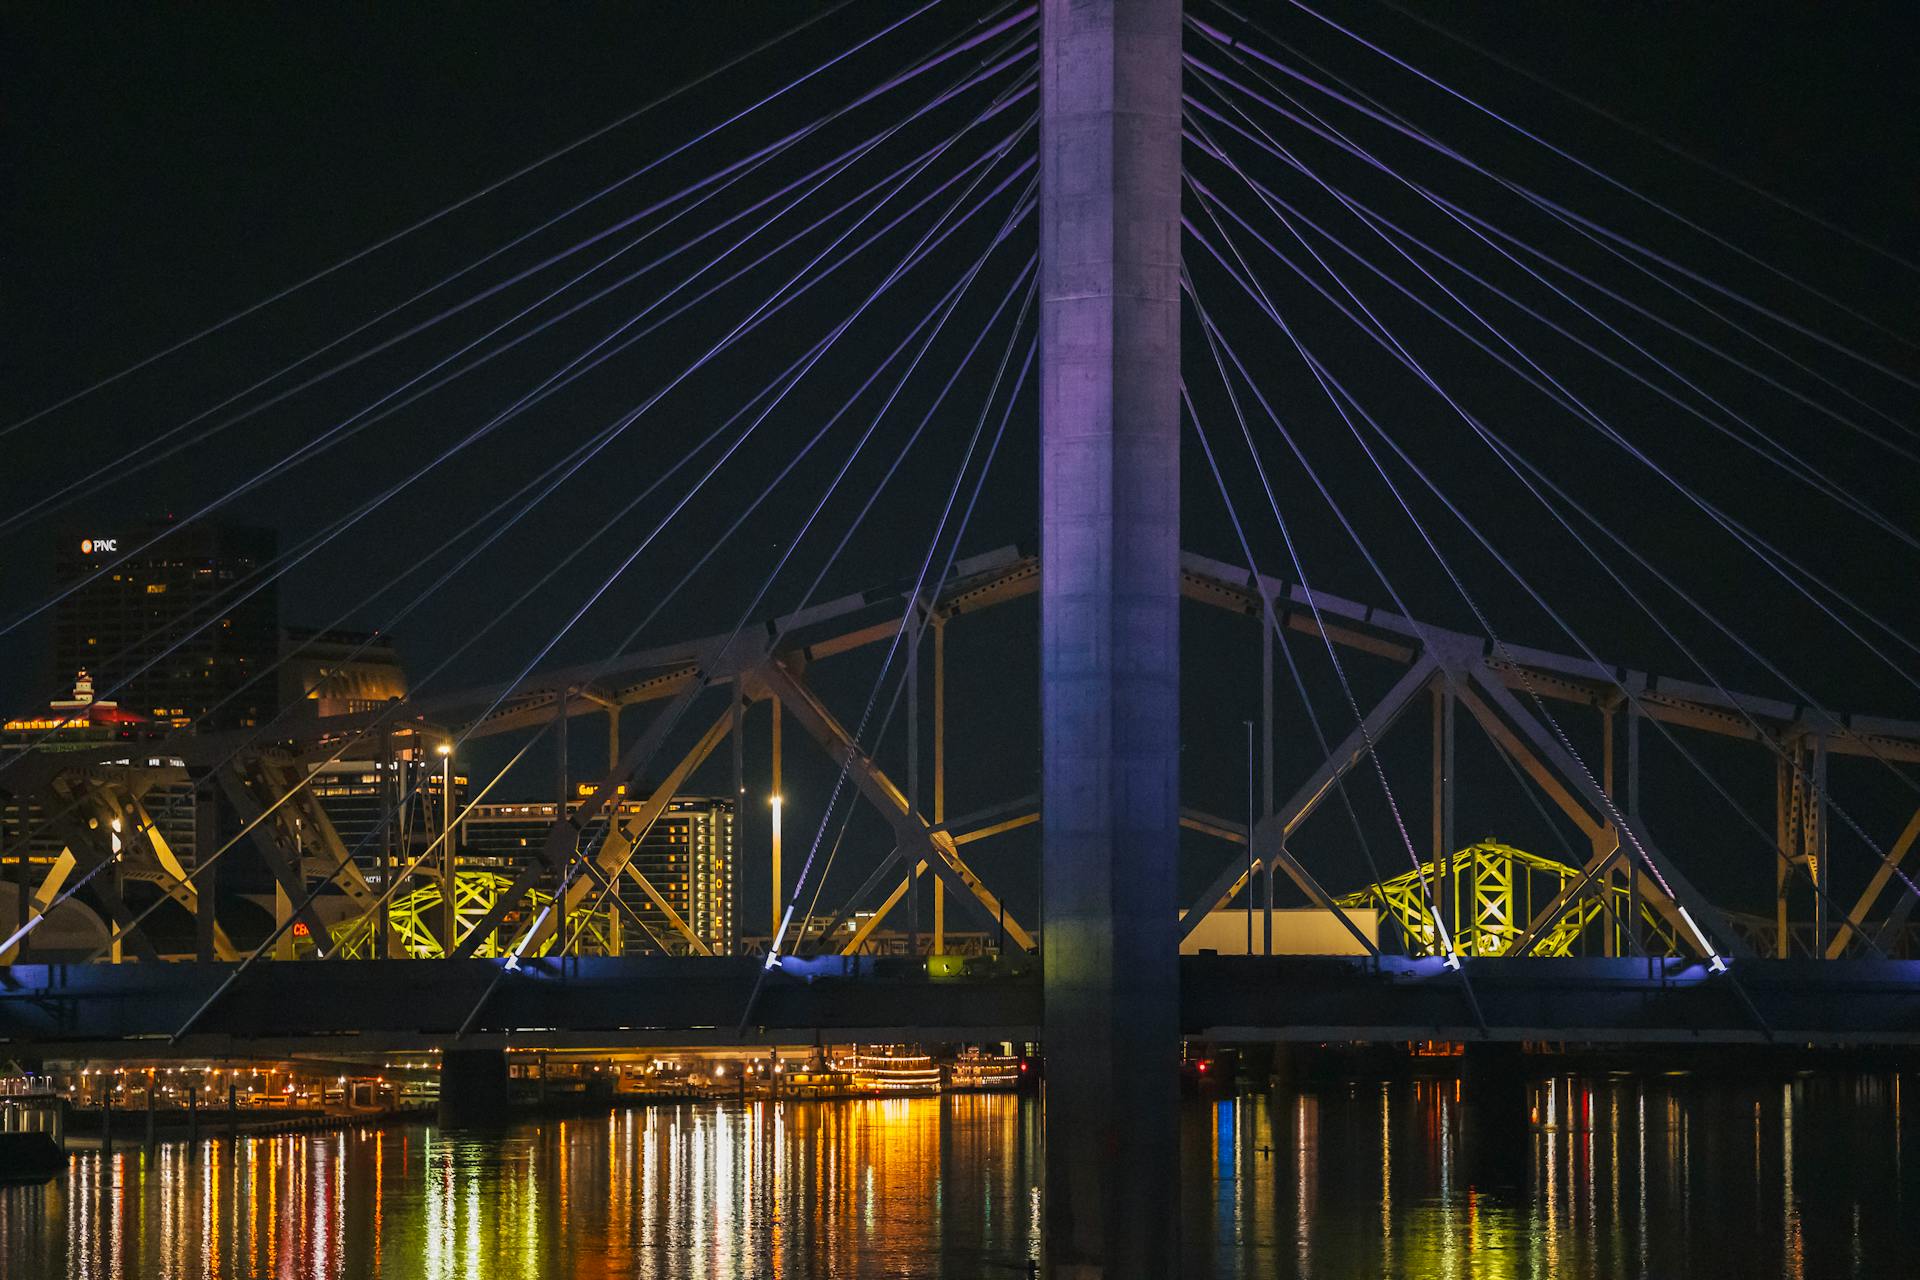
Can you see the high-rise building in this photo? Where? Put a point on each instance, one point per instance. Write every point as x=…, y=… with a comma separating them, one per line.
x=182, y=630
x=687, y=856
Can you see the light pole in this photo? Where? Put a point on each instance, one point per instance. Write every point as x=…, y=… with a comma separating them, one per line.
x=1249, y=837
x=449, y=867
x=776, y=866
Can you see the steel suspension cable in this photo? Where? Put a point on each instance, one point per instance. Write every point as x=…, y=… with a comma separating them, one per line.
x=1768, y=553
x=920, y=253
x=1381, y=334
x=1560, y=393
x=787, y=380
x=459, y=204
x=574, y=369
x=878, y=488
x=1665, y=144
x=1215, y=342
x=307, y=450
x=1329, y=385
x=1775, y=452
x=911, y=616
x=565, y=627
x=1272, y=621
x=1576, y=160
x=1317, y=125
x=1542, y=202
x=986, y=466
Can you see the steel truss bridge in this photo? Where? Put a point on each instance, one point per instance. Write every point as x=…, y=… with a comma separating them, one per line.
x=1499, y=901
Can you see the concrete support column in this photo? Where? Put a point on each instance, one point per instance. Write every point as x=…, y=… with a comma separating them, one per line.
x=1109, y=618
x=474, y=1092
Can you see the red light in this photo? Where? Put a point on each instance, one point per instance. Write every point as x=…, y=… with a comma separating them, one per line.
x=1203, y=1066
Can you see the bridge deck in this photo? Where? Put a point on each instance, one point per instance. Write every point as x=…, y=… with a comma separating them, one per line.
x=380, y=1005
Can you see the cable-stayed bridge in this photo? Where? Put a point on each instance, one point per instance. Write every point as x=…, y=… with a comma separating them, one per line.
x=1257, y=327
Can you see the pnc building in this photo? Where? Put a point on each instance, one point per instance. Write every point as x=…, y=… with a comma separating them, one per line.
x=133, y=606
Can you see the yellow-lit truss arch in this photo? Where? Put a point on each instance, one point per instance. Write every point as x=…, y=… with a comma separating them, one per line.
x=416, y=919
x=1492, y=890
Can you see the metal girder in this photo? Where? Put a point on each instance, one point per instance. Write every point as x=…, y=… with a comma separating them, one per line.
x=911, y=829
x=534, y=714
x=58, y=872
x=1547, y=779
x=170, y=875
x=1304, y=801
x=92, y=854
x=1686, y=899
x=1269, y=848
x=624, y=834
x=262, y=832
x=1877, y=885
x=562, y=839
x=1006, y=574
x=1602, y=860
x=997, y=828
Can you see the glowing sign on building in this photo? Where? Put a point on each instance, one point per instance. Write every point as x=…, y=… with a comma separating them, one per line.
x=89, y=546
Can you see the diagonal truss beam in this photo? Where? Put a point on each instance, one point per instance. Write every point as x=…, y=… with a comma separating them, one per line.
x=1686, y=902
x=914, y=835
x=562, y=841
x=88, y=844
x=1875, y=887
x=1593, y=827
x=625, y=833
x=1270, y=835
x=264, y=835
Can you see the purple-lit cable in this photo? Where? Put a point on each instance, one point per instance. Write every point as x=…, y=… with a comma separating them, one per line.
x=1378, y=330
x=1573, y=159
x=789, y=378
x=1558, y=391
x=943, y=310
x=1540, y=201
x=1337, y=393
x=1664, y=144
x=1215, y=342
x=1768, y=553
x=1353, y=534
x=1271, y=620
x=782, y=381
x=362, y=419
x=1315, y=124
x=443, y=212
x=728, y=173
x=908, y=617
x=923, y=243
x=966, y=516
x=612, y=430
x=1375, y=220
x=875, y=490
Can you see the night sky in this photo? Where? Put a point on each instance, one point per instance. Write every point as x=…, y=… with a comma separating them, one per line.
x=163, y=168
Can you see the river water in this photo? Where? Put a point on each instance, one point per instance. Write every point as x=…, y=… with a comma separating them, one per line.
x=1646, y=1176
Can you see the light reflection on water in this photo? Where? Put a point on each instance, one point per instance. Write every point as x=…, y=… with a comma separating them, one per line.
x=1650, y=1177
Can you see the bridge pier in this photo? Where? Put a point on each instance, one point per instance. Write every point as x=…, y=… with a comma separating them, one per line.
x=1109, y=620
x=474, y=1091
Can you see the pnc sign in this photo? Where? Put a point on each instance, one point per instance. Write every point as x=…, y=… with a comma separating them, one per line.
x=89, y=546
